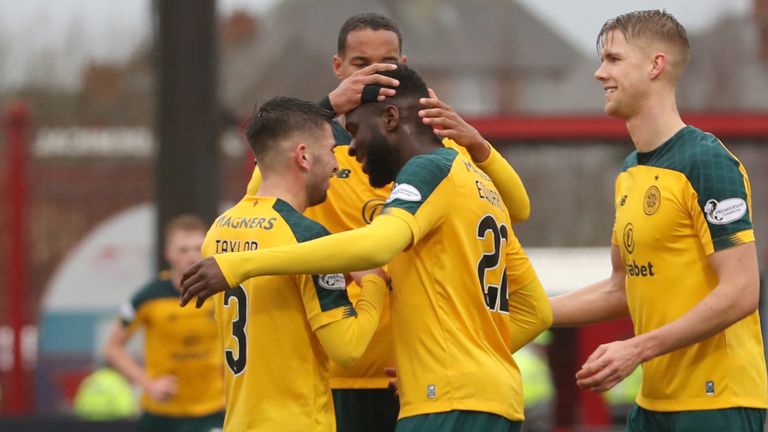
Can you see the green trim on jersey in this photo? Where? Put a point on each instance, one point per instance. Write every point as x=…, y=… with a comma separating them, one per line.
x=340, y=135
x=424, y=172
x=712, y=171
x=155, y=289
x=305, y=229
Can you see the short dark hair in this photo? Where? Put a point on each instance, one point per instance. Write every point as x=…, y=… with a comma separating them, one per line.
x=364, y=21
x=649, y=24
x=411, y=83
x=412, y=87
x=281, y=117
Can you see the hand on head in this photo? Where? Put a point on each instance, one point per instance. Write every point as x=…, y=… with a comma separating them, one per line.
x=350, y=92
x=447, y=123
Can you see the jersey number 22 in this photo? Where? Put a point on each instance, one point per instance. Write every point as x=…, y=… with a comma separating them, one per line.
x=496, y=296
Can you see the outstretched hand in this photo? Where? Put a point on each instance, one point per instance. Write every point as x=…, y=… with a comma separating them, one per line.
x=609, y=365
x=202, y=280
x=447, y=123
x=348, y=95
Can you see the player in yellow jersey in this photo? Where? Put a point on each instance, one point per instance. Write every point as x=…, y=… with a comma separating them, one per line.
x=182, y=374
x=278, y=332
x=683, y=251
x=365, y=42
x=464, y=295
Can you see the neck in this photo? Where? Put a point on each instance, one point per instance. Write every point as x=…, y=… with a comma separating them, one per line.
x=418, y=143
x=286, y=188
x=655, y=124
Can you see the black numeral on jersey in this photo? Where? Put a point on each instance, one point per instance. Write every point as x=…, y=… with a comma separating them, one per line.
x=237, y=365
x=496, y=296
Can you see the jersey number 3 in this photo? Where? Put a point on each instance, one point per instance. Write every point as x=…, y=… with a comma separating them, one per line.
x=496, y=296
x=237, y=365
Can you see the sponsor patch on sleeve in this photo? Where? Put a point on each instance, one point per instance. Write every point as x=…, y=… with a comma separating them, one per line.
x=333, y=282
x=405, y=192
x=725, y=211
x=127, y=312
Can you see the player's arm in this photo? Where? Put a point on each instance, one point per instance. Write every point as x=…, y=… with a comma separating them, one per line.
x=508, y=183
x=447, y=123
x=598, y=302
x=360, y=249
x=735, y=297
x=345, y=340
x=366, y=84
x=529, y=312
x=160, y=389
x=255, y=182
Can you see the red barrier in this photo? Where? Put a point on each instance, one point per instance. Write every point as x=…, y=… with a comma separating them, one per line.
x=591, y=127
x=16, y=123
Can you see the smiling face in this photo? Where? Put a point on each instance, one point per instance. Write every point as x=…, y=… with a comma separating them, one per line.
x=370, y=147
x=624, y=72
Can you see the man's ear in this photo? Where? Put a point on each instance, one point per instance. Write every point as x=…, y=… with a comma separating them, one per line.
x=404, y=59
x=658, y=65
x=390, y=118
x=301, y=156
x=337, y=62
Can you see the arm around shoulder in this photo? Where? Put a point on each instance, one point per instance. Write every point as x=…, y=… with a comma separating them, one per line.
x=363, y=248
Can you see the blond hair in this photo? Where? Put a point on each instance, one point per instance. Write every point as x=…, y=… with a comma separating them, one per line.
x=653, y=25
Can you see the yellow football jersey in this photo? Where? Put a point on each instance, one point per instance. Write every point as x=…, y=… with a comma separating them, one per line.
x=178, y=341
x=276, y=371
x=450, y=311
x=675, y=206
x=352, y=203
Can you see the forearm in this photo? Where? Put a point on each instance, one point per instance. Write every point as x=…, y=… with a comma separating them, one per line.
x=598, y=302
x=360, y=249
x=507, y=181
x=713, y=314
x=529, y=312
x=124, y=363
x=325, y=103
x=345, y=340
